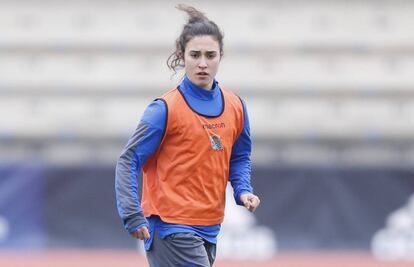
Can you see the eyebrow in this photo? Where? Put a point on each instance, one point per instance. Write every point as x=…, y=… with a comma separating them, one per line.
x=198, y=51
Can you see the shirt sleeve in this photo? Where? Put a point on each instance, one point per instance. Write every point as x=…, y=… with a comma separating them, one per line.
x=143, y=143
x=240, y=162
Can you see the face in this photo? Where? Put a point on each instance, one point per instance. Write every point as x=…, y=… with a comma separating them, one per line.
x=202, y=59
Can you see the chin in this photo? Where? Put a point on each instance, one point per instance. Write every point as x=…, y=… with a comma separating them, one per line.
x=202, y=85
x=205, y=86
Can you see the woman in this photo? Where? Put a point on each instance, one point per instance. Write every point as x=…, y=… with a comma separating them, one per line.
x=189, y=143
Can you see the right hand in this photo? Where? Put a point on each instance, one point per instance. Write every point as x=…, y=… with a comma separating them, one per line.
x=142, y=233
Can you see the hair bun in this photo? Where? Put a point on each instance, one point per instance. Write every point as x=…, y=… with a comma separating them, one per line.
x=194, y=14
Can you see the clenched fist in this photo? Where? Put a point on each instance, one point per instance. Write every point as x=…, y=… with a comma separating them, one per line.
x=250, y=201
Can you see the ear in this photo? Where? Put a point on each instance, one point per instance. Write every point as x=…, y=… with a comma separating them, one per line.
x=180, y=55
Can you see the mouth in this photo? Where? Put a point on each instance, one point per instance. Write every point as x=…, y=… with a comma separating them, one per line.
x=202, y=74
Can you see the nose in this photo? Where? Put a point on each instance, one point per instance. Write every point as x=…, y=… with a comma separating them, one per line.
x=203, y=63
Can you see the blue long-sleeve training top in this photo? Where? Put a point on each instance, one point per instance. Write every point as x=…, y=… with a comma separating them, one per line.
x=144, y=143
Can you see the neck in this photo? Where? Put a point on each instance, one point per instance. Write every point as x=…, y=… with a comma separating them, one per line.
x=208, y=87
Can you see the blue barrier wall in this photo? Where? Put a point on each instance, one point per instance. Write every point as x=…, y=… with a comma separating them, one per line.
x=329, y=208
x=308, y=208
x=22, y=206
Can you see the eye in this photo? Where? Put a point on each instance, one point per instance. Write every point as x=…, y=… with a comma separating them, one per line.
x=194, y=54
x=211, y=55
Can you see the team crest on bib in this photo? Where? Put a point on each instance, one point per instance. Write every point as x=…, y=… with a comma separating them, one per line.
x=216, y=142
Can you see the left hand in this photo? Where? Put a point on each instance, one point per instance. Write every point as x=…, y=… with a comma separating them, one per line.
x=250, y=201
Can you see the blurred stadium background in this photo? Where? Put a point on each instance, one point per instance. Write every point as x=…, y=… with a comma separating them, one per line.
x=330, y=91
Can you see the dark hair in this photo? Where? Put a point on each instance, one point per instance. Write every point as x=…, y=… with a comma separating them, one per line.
x=198, y=24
